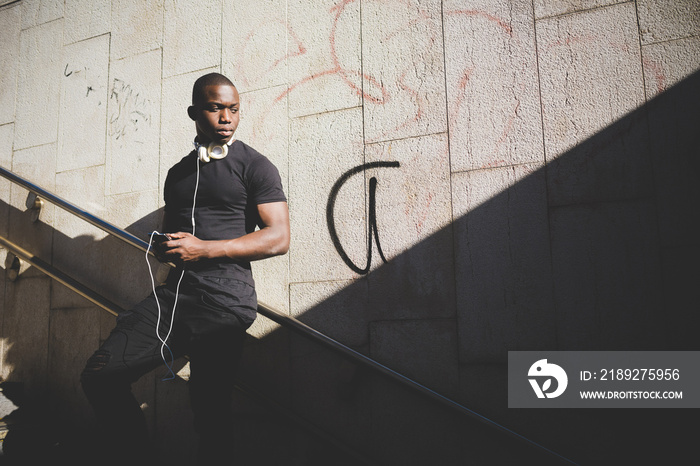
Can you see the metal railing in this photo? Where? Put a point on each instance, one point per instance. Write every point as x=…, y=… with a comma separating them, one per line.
x=75, y=210
x=272, y=314
x=61, y=277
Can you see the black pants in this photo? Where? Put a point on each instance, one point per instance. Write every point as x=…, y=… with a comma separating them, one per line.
x=206, y=329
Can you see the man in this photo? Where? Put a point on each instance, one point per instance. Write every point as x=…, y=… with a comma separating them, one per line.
x=215, y=197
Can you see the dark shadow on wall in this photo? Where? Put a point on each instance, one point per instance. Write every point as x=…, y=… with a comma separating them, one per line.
x=595, y=251
x=48, y=332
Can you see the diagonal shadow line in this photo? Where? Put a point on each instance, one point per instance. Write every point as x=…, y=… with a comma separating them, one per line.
x=594, y=251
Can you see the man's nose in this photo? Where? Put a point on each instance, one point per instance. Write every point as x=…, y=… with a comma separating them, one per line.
x=226, y=115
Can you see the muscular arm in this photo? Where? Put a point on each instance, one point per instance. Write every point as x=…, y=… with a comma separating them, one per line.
x=272, y=239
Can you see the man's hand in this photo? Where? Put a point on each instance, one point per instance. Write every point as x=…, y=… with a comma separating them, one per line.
x=186, y=247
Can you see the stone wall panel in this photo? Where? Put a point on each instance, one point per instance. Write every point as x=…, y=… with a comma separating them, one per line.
x=133, y=125
x=86, y=18
x=492, y=89
x=403, y=69
x=9, y=57
x=38, y=90
x=84, y=96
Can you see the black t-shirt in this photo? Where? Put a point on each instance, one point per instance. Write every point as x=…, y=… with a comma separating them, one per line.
x=229, y=191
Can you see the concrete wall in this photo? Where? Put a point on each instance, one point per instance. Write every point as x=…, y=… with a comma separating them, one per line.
x=535, y=165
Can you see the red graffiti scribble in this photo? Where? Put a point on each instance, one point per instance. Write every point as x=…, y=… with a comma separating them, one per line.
x=340, y=7
x=339, y=70
x=420, y=102
x=299, y=48
x=462, y=87
x=336, y=70
x=503, y=24
x=371, y=90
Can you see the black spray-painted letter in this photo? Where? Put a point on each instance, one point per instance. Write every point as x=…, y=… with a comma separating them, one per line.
x=372, y=229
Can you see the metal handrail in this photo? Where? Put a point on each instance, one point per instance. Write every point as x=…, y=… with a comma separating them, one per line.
x=61, y=277
x=75, y=210
x=285, y=320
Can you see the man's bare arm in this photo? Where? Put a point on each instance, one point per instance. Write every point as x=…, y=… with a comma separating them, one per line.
x=272, y=239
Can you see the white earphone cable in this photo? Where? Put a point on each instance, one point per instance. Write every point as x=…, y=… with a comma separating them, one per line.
x=177, y=289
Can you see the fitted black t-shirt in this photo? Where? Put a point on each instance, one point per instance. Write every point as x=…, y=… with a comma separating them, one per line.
x=229, y=191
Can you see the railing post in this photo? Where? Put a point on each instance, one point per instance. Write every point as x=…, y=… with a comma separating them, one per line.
x=34, y=203
x=13, y=266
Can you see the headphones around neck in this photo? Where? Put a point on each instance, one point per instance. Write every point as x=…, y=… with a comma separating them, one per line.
x=212, y=151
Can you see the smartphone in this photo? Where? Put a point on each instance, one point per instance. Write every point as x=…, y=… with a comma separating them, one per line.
x=157, y=241
x=160, y=238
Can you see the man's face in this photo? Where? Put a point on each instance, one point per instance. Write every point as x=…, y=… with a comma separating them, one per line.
x=216, y=114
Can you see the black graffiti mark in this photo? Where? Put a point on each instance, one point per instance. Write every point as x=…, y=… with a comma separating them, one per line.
x=372, y=215
x=65, y=71
x=131, y=110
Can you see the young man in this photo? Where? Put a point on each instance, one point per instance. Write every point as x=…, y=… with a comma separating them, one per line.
x=214, y=199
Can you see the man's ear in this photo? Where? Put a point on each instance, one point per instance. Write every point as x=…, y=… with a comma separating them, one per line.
x=192, y=112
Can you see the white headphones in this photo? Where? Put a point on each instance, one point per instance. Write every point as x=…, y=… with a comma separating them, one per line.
x=213, y=151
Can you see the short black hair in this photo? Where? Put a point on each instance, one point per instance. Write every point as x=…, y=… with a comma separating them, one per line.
x=211, y=79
